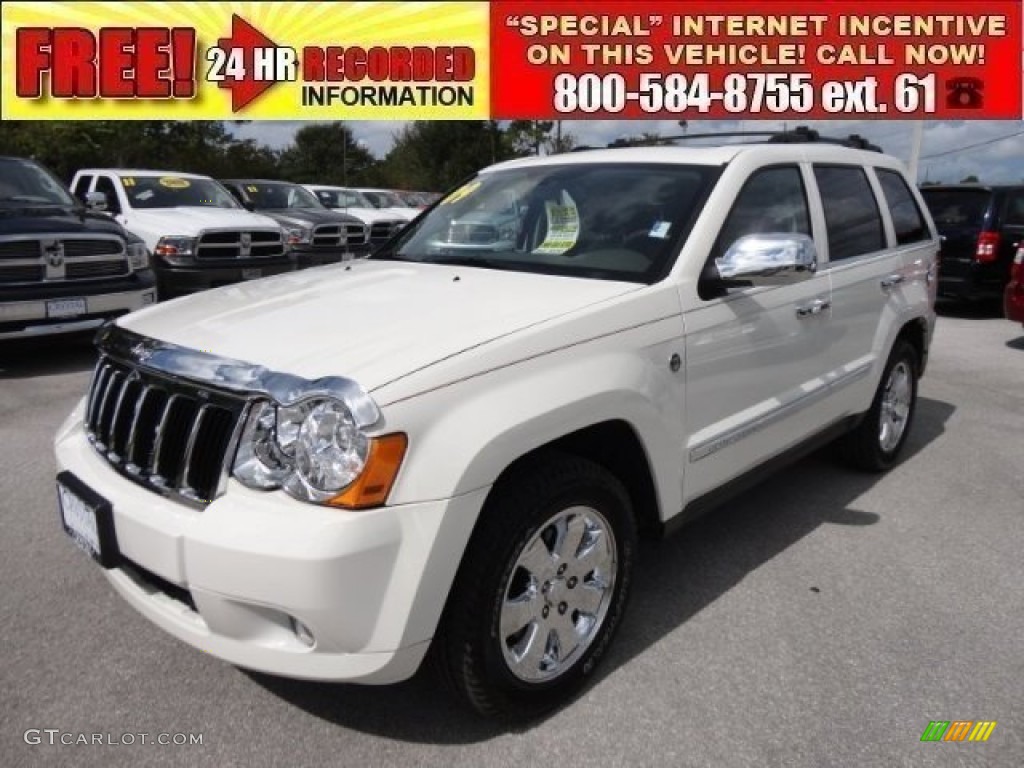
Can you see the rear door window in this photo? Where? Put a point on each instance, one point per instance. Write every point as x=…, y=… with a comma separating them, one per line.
x=852, y=219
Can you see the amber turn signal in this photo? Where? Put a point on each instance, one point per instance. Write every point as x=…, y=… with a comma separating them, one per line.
x=372, y=487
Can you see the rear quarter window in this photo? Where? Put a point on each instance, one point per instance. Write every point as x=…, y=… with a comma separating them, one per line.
x=906, y=216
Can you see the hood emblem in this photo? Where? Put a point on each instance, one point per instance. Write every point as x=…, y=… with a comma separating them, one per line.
x=246, y=244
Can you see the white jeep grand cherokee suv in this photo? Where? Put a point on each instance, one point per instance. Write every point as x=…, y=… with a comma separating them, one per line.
x=327, y=474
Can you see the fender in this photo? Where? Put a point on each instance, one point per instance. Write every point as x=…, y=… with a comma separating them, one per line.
x=462, y=437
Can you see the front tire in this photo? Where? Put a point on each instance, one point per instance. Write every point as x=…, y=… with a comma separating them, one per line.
x=876, y=443
x=541, y=590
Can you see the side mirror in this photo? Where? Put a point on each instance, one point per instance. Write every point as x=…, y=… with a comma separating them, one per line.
x=249, y=205
x=96, y=201
x=769, y=259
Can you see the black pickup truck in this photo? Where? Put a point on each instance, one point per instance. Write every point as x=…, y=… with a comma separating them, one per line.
x=62, y=268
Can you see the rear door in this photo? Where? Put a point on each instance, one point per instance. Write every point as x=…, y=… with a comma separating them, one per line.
x=866, y=275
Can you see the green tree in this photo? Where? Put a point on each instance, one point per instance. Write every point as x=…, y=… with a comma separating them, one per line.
x=328, y=154
x=436, y=155
x=527, y=137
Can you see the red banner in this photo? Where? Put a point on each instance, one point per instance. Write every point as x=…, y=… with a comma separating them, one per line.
x=739, y=59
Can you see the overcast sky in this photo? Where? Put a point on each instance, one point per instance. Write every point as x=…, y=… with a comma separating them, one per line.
x=950, y=150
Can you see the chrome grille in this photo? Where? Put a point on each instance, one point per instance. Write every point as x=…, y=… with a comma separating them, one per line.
x=240, y=244
x=53, y=258
x=328, y=235
x=169, y=435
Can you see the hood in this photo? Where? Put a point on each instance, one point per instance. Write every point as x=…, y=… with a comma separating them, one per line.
x=371, y=321
x=46, y=220
x=190, y=221
x=292, y=216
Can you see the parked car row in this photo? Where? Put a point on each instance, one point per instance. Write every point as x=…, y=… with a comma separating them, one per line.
x=123, y=238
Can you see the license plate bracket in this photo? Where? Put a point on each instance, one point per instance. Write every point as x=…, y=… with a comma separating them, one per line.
x=88, y=519
x=253, y=273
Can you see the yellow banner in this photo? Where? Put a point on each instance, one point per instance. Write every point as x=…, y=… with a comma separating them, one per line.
x=230, y=60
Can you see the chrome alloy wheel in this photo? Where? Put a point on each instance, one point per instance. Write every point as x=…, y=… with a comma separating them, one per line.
x=558, y=594
x=895, y=410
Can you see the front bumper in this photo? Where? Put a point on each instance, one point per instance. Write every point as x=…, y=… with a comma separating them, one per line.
x=214, y=274
x=23, y=314
x=231, y=579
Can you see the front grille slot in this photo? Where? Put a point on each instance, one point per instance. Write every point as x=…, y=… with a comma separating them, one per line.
x=329, y=234
x=22, y=274
x=382, y=230
x=83, y=270
x=20, y=249
x=170, y=435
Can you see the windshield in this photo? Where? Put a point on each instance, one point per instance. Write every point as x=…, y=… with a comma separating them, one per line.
x=342, y=198
x=172, y=191
x=957, y=208
x=22, y=181
x=384, y=199
x=272, y=196
x=606, y=221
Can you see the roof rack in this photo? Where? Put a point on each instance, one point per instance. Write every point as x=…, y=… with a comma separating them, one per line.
x=799, y=135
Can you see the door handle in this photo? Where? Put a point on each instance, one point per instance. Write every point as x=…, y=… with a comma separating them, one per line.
x=891, y=281
x=816, y=307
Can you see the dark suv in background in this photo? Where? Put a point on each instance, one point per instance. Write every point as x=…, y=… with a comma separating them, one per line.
x=980, y=227
x=315, y=234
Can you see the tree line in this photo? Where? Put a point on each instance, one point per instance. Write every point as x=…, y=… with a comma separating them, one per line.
x=425, y=155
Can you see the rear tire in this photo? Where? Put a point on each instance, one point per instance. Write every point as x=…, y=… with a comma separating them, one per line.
x=541, y=589
x=875, y=444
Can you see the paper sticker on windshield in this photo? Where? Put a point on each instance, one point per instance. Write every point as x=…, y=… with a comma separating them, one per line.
x=660, y=229
x=464, y=191
x=252, y=188
x=563, y=226
x=173, y=182
x=128, y=181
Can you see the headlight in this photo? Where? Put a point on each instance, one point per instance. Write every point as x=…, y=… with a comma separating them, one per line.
x=298, y=235
x=138, y=256
x=175, y=249
x=315, y=451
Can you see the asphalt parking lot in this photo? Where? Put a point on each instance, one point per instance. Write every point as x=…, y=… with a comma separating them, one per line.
x=822, y=619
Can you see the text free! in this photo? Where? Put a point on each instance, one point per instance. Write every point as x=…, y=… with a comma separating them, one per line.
x=159, y=62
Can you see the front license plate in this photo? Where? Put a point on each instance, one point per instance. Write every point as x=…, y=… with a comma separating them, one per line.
x=252, y=274
x=65, y=307
x=87, y=518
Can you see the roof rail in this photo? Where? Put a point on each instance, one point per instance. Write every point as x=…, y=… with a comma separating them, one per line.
x=799, y=135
